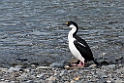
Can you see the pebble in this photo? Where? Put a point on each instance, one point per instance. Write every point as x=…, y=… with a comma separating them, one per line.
x=66, y=82
x=16, y=68
x=39, y=76
x=108, y=81
x=29, y=81
x=3, y=69
x=51, y=78
x=3, y=82
x=2, y=79
x=62, y=72
x=104, y=76
x=92, y=65
x=72, y=81
x=111, y=66
x=121, y=70
x=43, y=67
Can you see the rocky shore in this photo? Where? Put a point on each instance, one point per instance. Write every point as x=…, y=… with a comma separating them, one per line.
x=113, y=73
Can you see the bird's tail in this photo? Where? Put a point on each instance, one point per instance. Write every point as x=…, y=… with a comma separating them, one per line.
x=98, y=64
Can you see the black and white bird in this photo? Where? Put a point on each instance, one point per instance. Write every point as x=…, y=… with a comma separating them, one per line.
x=78, y=47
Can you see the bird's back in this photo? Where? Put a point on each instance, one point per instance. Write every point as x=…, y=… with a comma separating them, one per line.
x=84, y=50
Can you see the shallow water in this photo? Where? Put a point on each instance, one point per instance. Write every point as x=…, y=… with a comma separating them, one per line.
x=32, y=31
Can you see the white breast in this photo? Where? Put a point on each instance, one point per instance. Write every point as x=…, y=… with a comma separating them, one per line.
x=72, y=47
x=75, y=51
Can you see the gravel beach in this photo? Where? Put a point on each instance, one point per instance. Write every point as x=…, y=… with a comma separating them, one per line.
x=113, y=73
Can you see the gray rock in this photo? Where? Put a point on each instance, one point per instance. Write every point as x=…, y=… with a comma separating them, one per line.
x=16, y=68
x=104, y=76
x=2, y=79
x=101, y=80
x=40, y=75
x=3, y=82
x=62, y=72
x=51, y=78
x=29, y=81
x=58, y=64
x=121, y=70
x=43, y=67
x=111, y=66
x=109, y=81
x=3, y=69
x=108, y=66
x=119, y=81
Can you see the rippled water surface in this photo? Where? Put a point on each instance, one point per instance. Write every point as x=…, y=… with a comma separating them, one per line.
x=32, y=31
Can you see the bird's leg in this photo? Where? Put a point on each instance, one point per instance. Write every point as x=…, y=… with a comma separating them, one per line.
x=81, y=64
x=75, y=64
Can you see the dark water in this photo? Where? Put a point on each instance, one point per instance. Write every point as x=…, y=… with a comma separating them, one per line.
x=31, y=31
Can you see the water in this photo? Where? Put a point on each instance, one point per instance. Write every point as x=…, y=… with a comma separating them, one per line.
x=32, y=31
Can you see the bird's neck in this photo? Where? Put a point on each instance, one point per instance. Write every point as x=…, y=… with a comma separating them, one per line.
x=72, y=33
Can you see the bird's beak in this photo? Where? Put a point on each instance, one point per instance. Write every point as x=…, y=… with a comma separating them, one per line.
x=66, y=23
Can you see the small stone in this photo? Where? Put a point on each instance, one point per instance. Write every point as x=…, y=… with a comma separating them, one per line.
x=118, y=80
x=69, y=67
x=29, y=81
x=15, y=74
x=66, y=82
x=111, y=66
x=2, y=79
x=104, y=76
x=66, y=66
x=51, y=78
x=13, y=81
x=121, y=70
x=62, y=72
x=3, y=69
x=40, y=75
x=50, y=81
x=92, y=65
x=3, y=82
x=37, y=81
x=102, y=80
x=16, y=68
x=72, y=81
x=6, y=80
x=108, y=81
x=43, y=67
x=76, y=78
x=33, y=65
x=27, y=70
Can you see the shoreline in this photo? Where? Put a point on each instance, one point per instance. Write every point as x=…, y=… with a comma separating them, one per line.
x=113, y=73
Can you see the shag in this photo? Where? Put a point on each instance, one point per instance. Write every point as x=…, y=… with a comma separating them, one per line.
x=78, y=47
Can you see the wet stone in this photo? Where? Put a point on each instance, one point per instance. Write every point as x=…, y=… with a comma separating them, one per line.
x=111, y=66
x=29, y=81
x=58, y=64
x=17, y=68
x=3, y=82
x=51, y=78
x=109, y=81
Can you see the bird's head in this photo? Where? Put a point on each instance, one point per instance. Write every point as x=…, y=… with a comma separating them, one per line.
x=71, y=24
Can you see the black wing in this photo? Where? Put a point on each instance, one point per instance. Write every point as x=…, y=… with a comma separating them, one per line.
x=84, y=49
